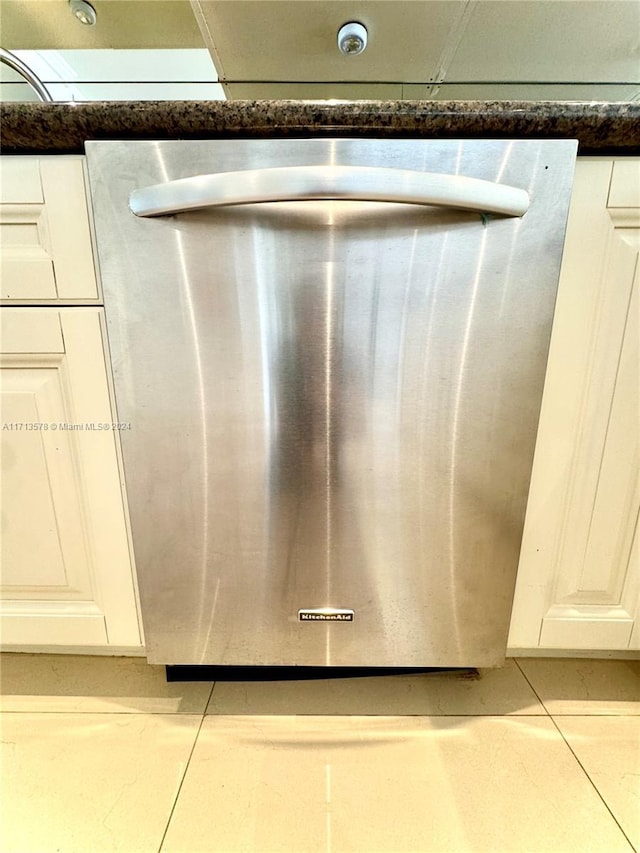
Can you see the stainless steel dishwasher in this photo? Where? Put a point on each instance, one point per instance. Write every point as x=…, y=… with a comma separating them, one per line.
x=331, y=355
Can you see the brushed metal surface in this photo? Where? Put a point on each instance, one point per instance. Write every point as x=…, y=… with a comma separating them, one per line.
x=312, y=183
x=332, y=404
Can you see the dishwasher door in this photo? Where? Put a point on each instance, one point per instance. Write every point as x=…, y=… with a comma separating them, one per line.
x=330, y=388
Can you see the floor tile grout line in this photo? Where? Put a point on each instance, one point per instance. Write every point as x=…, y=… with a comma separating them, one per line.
x=580, y=765
x=118, y=713
x=186, y=768
x=535, y=692
x=571, y=713
x=593, y=784
x=345, y=713
x=351, y=713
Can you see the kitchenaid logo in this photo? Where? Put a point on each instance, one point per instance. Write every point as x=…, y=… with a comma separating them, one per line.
x=325, y=614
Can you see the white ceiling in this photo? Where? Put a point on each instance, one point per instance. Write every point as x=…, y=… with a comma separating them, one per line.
x=438, y=49
x=538, y=46
x=121, y=24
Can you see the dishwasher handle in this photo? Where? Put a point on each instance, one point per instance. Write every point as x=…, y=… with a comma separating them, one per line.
x=311, y=183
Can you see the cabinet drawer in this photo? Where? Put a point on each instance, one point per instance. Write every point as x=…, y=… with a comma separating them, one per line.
x=44, y=231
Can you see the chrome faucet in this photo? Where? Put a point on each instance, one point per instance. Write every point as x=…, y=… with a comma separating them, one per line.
x=23, y=69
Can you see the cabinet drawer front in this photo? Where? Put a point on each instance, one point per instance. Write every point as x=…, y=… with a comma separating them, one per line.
x=44, y=231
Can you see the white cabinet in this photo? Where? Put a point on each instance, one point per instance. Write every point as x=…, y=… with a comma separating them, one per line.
x=44, y=231
x=66, y=569
x=579, y=576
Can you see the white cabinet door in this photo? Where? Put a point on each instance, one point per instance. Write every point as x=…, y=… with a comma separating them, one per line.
x=44, y=230
x=66, y=567
x=579, y=576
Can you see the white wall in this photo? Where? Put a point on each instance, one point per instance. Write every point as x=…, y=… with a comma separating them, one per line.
x=115, y=75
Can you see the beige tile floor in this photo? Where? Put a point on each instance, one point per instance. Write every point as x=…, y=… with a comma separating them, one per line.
x=100, y=754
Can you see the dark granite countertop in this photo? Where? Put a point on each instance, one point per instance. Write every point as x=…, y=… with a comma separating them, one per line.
x=601, y=128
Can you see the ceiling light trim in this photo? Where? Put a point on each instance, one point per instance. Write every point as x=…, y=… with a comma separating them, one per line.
x=83, y=12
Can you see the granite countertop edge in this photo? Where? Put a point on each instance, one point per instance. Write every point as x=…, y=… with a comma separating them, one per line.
x=35, y=128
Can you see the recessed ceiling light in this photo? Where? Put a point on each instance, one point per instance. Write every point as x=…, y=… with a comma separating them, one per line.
x=84, y=12
x=352, y=38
